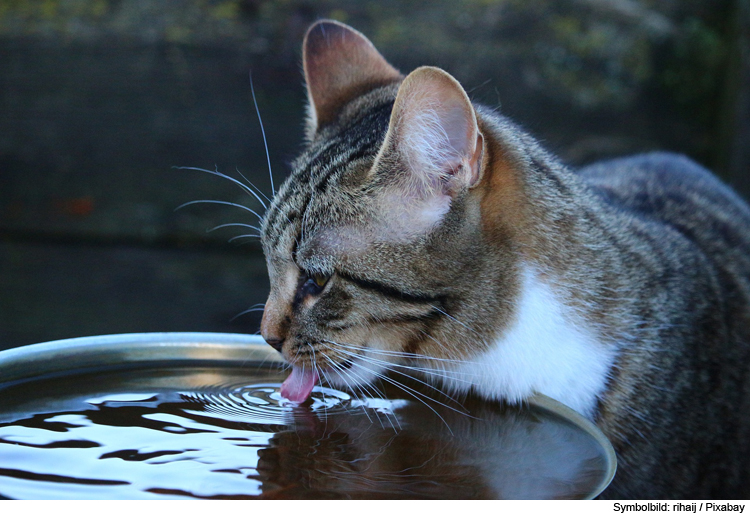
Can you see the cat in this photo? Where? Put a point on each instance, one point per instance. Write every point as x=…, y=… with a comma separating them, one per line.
x=420, y=229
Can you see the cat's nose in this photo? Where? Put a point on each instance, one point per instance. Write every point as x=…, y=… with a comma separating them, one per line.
x=274, y=325
x=275, y=342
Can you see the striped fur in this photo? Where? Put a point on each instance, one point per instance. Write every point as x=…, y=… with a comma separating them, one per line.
x=623, y=289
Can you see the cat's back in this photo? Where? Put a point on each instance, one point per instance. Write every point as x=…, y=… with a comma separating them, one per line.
x=675, y=192
x=699, y=288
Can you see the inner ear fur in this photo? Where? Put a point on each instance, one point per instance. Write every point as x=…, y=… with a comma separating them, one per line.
x=434, y=131
x=340, y=63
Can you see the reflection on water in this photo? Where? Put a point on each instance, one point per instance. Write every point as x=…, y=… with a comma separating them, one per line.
x=158, y=434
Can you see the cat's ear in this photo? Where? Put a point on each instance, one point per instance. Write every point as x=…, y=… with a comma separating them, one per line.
x=339, y=63
x=433, y=148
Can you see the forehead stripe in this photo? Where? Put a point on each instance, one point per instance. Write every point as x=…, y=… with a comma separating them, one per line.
x=324, y=165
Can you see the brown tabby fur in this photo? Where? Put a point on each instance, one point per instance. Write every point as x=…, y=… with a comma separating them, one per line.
x=650, y=253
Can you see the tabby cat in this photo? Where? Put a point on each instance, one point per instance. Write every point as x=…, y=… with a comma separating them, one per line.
x=418, y=228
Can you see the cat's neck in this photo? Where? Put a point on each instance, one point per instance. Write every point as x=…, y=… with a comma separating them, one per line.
x=559, y=226
x=554, y=342
x=547, y=349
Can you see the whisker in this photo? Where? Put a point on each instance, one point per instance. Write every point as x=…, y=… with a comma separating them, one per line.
x=426, y=370
x=374, y=361
x=343, y=375
x=220, y=202
x=386, y=378
x=264, y=195
x=243, y=236
x=244, y=187
x=263, y=133
x=438, y=343
x=314, y=366
x=449, y=316
x=438, y=372
x=321, y=377
x=254, y=308
x=296, y=354
x=365, y=386
x=232, y=225
x=393, y=353
x=415, y=394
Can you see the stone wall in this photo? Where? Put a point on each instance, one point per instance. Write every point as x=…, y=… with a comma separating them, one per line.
x=99, y=100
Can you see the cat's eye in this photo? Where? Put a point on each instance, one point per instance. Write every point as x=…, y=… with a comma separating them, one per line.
x=314, y=283
x=320, y=280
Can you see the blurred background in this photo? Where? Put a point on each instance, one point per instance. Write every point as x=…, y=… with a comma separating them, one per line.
x=100, y=99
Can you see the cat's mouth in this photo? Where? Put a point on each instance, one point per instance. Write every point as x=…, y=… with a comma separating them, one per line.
x=299, y=385
x=347, y=366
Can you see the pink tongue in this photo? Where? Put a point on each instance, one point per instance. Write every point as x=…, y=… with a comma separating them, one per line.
x=299, y=385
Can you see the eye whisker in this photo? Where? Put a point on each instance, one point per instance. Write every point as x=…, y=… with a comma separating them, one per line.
x=264, y=195
x=263, y=133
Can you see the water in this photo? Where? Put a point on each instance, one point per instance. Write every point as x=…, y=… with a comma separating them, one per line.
x=227, y=433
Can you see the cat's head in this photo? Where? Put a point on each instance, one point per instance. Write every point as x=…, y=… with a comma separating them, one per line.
x=374, y=241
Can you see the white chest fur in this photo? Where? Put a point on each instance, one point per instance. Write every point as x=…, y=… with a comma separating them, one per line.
x=547, y=350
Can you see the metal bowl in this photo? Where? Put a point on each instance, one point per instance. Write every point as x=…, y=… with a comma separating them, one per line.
x=198, y=415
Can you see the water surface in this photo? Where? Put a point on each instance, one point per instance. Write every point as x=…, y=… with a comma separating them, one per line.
x=227, y=433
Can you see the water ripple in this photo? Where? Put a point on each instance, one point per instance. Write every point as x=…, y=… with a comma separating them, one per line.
x=263, y=404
